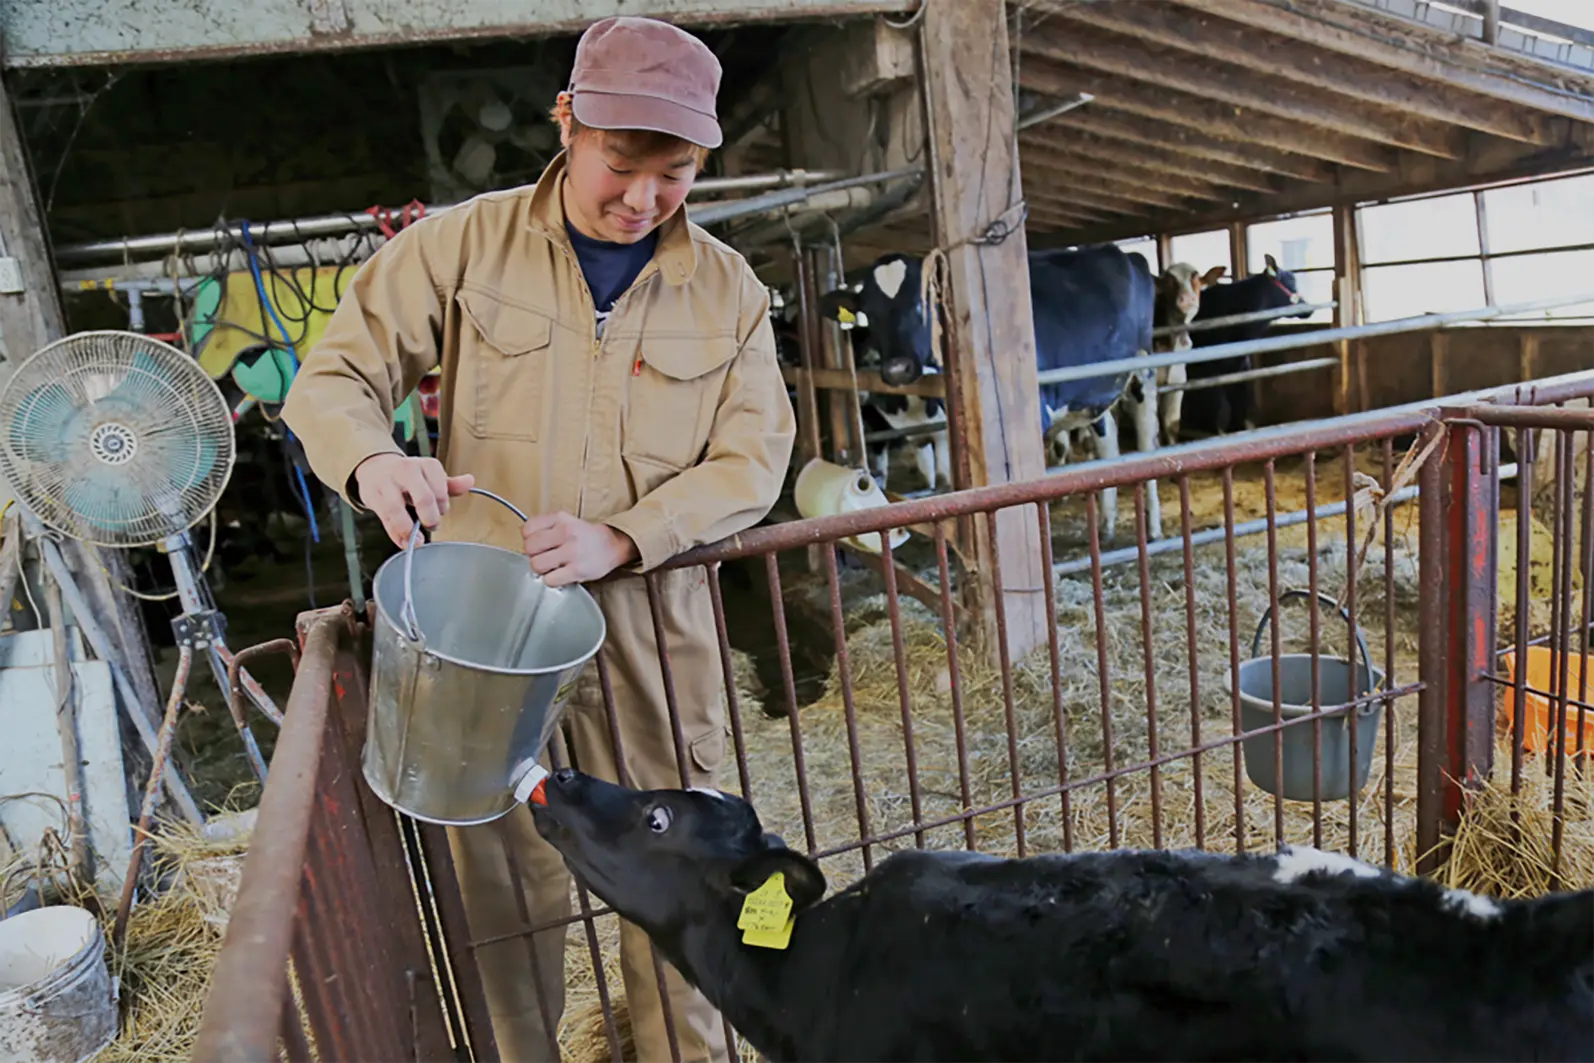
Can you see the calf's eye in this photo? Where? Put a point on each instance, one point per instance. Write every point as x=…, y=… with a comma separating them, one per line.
x=659, y=818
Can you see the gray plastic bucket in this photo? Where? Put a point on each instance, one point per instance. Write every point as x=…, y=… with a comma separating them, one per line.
x=473, y=659
x=1295, y=692
x=57, y=1002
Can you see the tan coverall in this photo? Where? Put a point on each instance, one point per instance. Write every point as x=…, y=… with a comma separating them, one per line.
x=673, y=427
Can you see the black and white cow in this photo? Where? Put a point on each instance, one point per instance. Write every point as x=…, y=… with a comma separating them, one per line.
x=1126, y=955
x=1090, y=305
x=1227, y=407
x=881, y=410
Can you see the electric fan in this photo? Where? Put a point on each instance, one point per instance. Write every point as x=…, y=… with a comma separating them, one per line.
x=119, y=439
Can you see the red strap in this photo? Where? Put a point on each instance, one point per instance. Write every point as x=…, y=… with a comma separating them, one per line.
x=411, y=212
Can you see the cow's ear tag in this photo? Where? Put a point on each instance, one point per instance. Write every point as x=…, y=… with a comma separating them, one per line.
x=846, y=317
x=766, y=919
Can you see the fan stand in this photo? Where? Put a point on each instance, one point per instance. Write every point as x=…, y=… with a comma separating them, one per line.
x=203, y=629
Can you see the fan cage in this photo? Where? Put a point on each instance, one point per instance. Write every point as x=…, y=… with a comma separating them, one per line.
x=115, y=438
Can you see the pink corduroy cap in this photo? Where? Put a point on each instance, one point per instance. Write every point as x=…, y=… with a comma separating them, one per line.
x=640, y=73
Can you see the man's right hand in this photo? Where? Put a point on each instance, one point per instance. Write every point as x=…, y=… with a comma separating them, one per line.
x=388, y=483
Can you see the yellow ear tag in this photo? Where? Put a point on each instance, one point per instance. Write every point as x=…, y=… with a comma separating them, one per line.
x=846, y=317
x=766, y=919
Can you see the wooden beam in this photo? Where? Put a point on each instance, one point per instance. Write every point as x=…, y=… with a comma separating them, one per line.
x=1210, y=117
x=1145, y=163
x=1037, y=152
x=1047, y=217
x=1181, y=140
x=1064, y=183
x=867, y=380
x=1494, y=160
x=1402, y=45
x=1166, y=69
x=990, y=338
x=1195, y=32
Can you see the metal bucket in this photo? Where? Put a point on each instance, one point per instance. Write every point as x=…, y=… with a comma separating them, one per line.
x=1295, y=693
x=57, y=996
x=473, y=660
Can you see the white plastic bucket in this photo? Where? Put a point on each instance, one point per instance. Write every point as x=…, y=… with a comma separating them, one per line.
x=57, y=1004
x=824, y=489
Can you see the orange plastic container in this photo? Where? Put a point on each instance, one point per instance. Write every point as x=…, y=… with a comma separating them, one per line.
x=1540, y=710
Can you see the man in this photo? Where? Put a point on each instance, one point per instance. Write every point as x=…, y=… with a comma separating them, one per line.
x=611, y=369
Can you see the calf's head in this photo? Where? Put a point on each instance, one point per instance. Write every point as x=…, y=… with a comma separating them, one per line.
x=1179, y=291
x=667, y=859
x=892, y=303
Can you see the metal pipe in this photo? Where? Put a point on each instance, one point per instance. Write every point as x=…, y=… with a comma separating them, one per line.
x=338, y=224
x=1304, y=339
x=1049, y=113
x=720, y=212
x=1202, y=456
x=242, y=1011
x=174, y=702
x=1242, y=319
x=755, y=181
x=1241, y=530
x=1248, y=374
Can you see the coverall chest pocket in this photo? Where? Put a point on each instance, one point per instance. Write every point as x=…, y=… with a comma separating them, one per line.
x=503, y=367
x=672, y=396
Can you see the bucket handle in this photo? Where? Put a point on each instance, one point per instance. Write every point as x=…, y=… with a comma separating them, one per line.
x=1367, y=659
x=407, y=611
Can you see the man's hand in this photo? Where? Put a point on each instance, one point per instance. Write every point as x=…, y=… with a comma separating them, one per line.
x=566, y=549
x=390, y=482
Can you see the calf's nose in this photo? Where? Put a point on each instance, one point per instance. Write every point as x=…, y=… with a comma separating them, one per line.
x=564, y=775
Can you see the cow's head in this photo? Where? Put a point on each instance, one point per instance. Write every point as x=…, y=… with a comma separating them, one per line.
x=1179, y=291
x=1283, y=290
x=665, y=859
x=891, y=303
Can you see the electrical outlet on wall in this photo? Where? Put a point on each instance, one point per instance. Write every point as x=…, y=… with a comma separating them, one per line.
x=10, y=276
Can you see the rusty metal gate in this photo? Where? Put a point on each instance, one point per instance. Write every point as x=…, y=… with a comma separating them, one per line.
x=1123, y=729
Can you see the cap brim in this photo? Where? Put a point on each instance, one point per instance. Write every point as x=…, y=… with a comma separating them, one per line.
x=602, y=110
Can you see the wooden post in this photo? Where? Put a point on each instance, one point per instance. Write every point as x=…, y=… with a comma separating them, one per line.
x=990, y=336
x=29, y=319
x=1347, y=283
x=825, y=270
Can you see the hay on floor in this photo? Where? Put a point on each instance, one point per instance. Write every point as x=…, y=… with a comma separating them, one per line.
x=173, y=938
x=1504, y=846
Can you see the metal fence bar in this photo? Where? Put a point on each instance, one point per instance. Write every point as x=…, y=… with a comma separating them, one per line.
x=1249, y=374
x=1247, y=318
x=1419, y=323
x=1207, y=455
x=1240, y=530
x=243, y=1009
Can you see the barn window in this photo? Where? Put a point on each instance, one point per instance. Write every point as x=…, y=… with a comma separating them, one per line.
x=1515, y=243
x=1539, y=242
x=1304, y=245
x=1203, y=250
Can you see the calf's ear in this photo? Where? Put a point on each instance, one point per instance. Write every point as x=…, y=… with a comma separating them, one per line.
x=1211, y=276
x=805, y=883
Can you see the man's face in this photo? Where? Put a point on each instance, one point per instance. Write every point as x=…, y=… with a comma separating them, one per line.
x=614, y=195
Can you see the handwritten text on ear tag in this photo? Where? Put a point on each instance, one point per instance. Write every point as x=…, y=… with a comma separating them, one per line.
x=766, y=914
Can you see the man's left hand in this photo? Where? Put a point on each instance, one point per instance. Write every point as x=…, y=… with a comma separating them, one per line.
x=566, y=549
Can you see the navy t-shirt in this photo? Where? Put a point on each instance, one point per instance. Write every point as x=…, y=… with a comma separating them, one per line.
x=610, y=268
